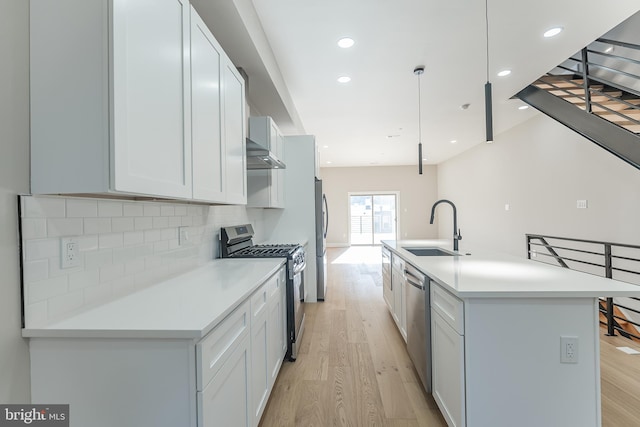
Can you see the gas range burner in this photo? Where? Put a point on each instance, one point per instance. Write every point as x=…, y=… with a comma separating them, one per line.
x=266, y=251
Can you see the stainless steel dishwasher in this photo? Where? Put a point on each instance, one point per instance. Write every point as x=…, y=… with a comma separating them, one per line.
x=418, y=323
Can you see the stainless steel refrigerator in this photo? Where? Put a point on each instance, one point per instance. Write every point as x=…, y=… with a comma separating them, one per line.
x=322, y=225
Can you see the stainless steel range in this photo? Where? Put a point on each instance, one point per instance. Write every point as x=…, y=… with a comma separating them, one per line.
x=237, y=242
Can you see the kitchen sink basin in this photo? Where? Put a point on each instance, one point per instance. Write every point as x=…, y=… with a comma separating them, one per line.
x=429, y=252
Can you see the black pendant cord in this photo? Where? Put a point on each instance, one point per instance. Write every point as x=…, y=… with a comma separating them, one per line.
x=419, y=128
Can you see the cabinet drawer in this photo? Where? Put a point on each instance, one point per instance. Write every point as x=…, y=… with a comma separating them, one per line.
x=214, y=349
x=449, y=307
x=259, y=301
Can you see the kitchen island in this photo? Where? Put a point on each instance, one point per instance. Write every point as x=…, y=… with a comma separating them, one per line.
x=514, y=342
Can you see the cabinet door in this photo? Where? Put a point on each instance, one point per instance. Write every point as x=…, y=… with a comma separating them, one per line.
x=274, y=324
x=151, y=132
x=234, y=134
x=224, y=402
x=283, y=299
x=208, y=153
x=448, y=370
x=259, y=353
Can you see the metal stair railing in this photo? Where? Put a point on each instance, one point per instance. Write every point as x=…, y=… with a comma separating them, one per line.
x=611, y=260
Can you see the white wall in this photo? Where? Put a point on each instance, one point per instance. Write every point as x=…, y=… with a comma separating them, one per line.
x=14, y=179
x=541, y=169
x=417, y=194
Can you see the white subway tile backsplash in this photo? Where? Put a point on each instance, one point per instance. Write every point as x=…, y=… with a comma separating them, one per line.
x=43, y=207
x=84, y=279
x=113, y=240
x=64, y=304
x=133, y=209
x=160, y=222
x=118, y=225
x=46, y=289
x=57, y=227
x=143, y=223
x=35, y=271
x=167, y=210
x=97, y=225
x=82, y=208
x=123, y=246
x=41, y=249
x=109, y=208
x=151, y=209
x=34, y=228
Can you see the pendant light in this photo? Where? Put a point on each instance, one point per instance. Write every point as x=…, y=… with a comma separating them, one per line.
x=418, y=71
x=488, y=105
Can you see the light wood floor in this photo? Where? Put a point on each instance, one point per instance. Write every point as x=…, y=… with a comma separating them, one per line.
x=353, y=368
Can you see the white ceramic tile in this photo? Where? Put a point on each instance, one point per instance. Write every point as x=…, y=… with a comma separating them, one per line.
x=97, y=225
x=109, y=208
x=57, y=227
x=125, y=254
x=87, y=243
x=43, y=207
x=161, y=246
x=113, y=240
x=35, y=271
x=167, y=210
x=119, y=225
x=160, y=222
x=180, y=210
x=34, y=228
x=175, y=221
x=111, y=272
x=123, y=285
x=82, y=208
x=84, y=279
x=40, y=291
x=133, y=238
x=36, y=314
x=133, y=267
x=187, y=221
x=133, y=209
x=64, y=304
x=100, y=258
x=152, y=236
x=173, y=244
x=42, y=249
x=169, y=233
x=151, y=209
x=143, y=223
x=97, y=294
x=55, y=266
x=144, y=250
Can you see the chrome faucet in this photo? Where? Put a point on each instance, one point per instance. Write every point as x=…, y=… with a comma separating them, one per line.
x=456, y=231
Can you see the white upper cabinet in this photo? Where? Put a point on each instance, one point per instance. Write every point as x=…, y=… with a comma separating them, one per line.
x=113, y=86
x=208, y=150
x=266, y=186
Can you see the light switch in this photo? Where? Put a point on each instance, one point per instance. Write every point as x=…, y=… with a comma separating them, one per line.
x=581, y=204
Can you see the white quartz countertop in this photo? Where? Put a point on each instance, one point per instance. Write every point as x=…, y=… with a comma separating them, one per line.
x=494, y=275
x=186, y=306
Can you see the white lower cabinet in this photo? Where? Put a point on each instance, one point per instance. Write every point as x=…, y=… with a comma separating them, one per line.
x=223, y=379
x=399, y=302
x=387, y=289
x=447, y=355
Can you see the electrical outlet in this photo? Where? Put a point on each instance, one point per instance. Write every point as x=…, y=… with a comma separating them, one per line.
x=568, y=349
x=582, y=204
x=69, y=253
x=507, y=206
x=183, y=235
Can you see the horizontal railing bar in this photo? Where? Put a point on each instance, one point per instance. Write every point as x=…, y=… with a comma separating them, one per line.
x=569, y=239
x=618, y=113
x=628, y=308
x=570, y=259
x=617, y=57
x=619, y=43
x=623, y=332
x=613, y=70
x=614, y=85
x=624, y=270
x=569, y=249
x=625, y=258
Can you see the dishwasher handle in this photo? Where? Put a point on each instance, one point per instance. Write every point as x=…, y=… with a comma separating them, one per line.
x=409, y=277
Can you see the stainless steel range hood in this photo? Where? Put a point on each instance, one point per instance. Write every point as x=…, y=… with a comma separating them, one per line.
x=259, y=157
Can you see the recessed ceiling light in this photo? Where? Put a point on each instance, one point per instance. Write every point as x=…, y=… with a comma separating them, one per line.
x=552, y=32
x=325, y=146
x=504, y=73
x=424, y=159
x=453, y=141
x=346, y=42
x=344, y=79
x=523, y=107
x=329, y=162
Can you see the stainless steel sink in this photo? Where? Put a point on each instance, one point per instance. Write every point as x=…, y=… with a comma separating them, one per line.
x=429, y=251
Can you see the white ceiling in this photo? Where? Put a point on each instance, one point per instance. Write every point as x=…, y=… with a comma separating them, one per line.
x=288, y=49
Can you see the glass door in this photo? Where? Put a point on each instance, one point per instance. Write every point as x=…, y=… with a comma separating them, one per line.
x=373, y=218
